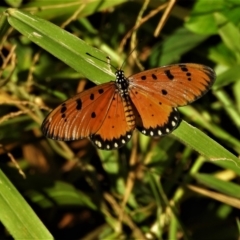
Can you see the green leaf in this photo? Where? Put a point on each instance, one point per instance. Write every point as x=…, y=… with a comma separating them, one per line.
x=206, y=146
x=201, y=19
x=222, y=55
x=17, y=216
x=61, y=194
x=14, y=3
x=4, y=26
x=65, y=46
x=203, y=24
x=229, y=34
x=172, y=48
x=58, y=8
x=226, y=187
x=227, y=77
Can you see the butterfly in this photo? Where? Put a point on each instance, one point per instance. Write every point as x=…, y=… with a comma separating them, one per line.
x=108, y=113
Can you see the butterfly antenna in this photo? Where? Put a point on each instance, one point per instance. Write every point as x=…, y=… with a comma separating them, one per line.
x=128, y=57
x=108, y=60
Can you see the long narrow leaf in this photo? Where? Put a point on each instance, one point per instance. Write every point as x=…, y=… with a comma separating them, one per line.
x=65, y=46
x=206, y=146
x=17, y=215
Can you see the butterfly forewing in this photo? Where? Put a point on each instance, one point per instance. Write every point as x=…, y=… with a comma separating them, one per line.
x=81, y=115
x=176, y=85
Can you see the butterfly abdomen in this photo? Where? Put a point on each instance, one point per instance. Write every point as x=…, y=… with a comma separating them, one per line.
x=129, y=114
x=122, y=85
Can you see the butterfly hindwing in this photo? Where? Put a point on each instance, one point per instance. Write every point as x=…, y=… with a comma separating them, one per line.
x=117, y=128
x=176, y=85
x=153, y=118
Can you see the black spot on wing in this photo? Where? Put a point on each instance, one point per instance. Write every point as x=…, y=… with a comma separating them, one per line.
x=169, y=74
x=188, y=74
x=164, y=92
x=154, y=76
x=79, y=104
x=93, y=115
x=64, y=108
x=183, y=67
x=100, y=91
x=143, y=77
x=91, y=96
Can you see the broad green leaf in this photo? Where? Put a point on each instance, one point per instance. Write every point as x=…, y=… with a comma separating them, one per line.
x=203, y=6
x=171, y=49
x=202, y=19
x=229, y=34
x=232, y=13
x=222, y=55
x=227, y=77
x=203, y=24
x=17, y=216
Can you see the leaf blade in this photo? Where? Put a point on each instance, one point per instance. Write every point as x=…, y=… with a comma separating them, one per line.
x=62, y=45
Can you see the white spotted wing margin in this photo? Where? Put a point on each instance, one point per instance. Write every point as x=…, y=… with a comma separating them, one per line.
x=160, y=130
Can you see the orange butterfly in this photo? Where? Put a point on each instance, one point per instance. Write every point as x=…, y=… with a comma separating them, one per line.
x=108, y=113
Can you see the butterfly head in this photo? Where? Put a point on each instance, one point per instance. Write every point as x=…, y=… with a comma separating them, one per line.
x=121, y=82
x=120, y=76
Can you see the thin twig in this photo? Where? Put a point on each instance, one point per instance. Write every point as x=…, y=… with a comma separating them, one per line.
x=13, y=161
x=133, y=42
x=143, y=20
x=164, y=17
x=74, y=16
x=126, y=218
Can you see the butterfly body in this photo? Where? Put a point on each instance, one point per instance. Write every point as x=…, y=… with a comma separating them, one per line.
x=108, y=113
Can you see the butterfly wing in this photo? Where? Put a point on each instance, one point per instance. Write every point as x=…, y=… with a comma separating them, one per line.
x=153, y=118
x=97, y=113
x=157, y=92
x=118, y=125
x=176, y=85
